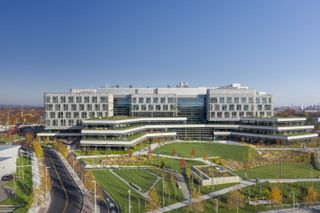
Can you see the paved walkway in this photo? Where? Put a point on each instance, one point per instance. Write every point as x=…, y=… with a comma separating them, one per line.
x=207, y=196
x=285, y=149
x=182, y=185
x=35, y=208
x=4, y=191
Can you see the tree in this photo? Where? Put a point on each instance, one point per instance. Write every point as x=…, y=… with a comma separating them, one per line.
x=312, y=195
x=153, y=201
x=54, y=143
x=205, y=156
x=183, y=164
x=196, y=206
x=37, y=149
x=235, y=200
x=46, y=141
x=193, y=152
x=173, y=152
x=276, y=195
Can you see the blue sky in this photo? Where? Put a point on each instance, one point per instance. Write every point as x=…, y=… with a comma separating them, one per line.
x=271, y=45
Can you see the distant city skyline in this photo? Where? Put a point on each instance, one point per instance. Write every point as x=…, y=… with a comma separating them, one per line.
x=271, y=46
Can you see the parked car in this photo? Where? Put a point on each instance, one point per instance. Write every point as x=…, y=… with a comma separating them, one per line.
x=6, y=178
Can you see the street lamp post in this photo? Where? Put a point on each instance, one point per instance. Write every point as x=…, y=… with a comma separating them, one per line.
x=129, y=201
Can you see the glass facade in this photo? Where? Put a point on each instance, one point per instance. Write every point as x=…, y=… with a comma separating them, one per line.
x=193, y=108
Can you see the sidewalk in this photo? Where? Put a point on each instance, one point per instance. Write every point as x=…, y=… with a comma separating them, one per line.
x=35, y=208
x=88, y=207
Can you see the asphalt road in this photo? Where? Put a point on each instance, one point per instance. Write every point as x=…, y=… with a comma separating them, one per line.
x=66, y=197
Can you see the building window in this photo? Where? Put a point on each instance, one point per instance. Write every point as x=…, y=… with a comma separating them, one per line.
x=257, y=100
x=226, y=114
x=219, y=114
x=135, y=107
x=165, y=107
x=246, y=107
x=105, y=107
x=216, y=107
x=134, y=100
x=172, y=107
x=264, y=100
x=150, y=107
x=171, y=100
x=250, y=100
x=224, y=107
x=140, y=100
x=97, y=107
x=103, y=99
x=57, y=107
x=267, y=107
x=71, y=99
x=86, y=99
x=244, y=100
x=49, y=107
x=78, y=99
x=54, y=122
x=259, y=107
x=163, y=100
x=63, y=99
x=65, y=107
x=236, y=100
x=73, y=107
x=62, y=122
x=221, y=99
x=84, y=114
x=234, y=114
x=52, y=115
x=81, y=107
x=76, y=115
x=143, y=107
x=89, y=107
x=48, y=99
x=213, y=114
x=229, y=100
x=231, y=107
x=214, y=100
x=239, y=108
x=91, y=115
x=70, y=122
x=94, y=99
x=148, y=100
x=158, y=107
x=155, y=100
x=68, y=114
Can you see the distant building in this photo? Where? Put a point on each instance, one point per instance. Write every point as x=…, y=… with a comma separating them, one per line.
x=8, y=159
x=123, y=117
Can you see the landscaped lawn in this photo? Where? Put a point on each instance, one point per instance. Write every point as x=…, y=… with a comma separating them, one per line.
x=138, y=177
x=155, y=161
x=171, y=163
x=289, y=170
x=226, y=151
x=23, y=186
x=119, y=191
x=172, y=194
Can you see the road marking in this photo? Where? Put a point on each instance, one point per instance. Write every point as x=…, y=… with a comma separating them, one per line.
x=64, y=189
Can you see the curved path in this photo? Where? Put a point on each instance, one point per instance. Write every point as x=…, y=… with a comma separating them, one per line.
x=66, y=197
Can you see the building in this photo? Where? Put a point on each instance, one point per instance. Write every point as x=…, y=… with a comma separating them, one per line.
x=8, y=159
x=124, y=117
